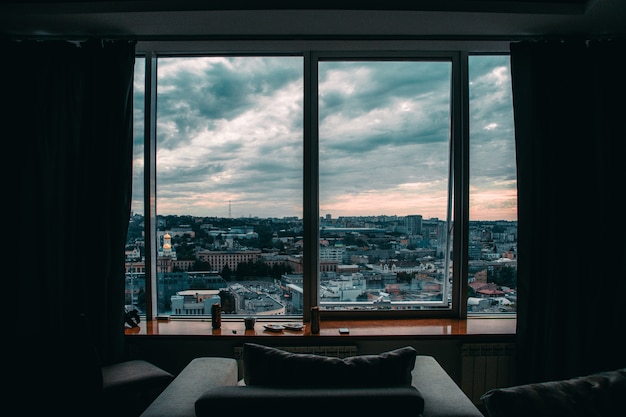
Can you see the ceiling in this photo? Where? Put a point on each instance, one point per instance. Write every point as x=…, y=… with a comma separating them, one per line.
x=426, y=19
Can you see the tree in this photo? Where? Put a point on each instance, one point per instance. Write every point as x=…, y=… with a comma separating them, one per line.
x=506, y=277
x=405, y=276
x=199, y=265
x=226, y=273
x=471, y=292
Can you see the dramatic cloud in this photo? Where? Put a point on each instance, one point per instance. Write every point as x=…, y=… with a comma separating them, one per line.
x=230, y=137
x=384, y=137
x=493, y=180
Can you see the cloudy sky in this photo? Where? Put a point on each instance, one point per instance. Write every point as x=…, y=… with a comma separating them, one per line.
x=230, y=141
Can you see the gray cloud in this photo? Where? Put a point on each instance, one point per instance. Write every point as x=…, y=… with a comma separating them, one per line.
x=229, y=133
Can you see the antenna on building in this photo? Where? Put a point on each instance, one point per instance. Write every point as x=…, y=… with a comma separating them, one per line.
x=229, y=212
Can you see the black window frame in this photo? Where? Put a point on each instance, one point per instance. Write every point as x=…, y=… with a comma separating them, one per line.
x=459, y=167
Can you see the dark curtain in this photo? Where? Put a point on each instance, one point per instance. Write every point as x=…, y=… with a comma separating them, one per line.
x=68, y=107
x=569, y=102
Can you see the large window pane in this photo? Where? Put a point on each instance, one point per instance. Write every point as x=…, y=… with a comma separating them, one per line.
x=229, y=184
x=384, y=163
x=492, y=250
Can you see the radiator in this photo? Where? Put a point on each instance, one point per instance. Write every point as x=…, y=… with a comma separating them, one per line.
x=485, y=366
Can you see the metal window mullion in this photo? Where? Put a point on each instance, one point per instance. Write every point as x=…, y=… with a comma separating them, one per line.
x=150, y=186
x=460, y=135
x=311, y=187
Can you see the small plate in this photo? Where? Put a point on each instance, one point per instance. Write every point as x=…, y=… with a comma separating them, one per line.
x=274, y=327
x=294, y=326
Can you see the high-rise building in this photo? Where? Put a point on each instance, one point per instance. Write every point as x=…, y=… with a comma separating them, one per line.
x=413, y=223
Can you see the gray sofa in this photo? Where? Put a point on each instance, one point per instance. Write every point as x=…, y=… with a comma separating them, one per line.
x=210, y=385
x=602, y=394
x=200, y=375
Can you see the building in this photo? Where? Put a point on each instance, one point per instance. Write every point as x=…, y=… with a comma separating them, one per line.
x=413, y=224
x=220, y=259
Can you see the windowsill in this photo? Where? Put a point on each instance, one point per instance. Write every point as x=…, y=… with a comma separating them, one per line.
x=479, y=327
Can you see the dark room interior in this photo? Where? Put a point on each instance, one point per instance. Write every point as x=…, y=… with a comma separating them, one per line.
x=74, y=182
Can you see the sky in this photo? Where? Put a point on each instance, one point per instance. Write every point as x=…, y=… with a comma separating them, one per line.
x=230, y=137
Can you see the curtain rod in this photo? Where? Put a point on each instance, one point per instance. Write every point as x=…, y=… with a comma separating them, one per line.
x=296, y=37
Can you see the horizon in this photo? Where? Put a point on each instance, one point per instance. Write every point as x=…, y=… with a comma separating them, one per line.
x=133, y=213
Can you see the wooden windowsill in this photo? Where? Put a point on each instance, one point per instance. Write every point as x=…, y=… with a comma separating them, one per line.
x=482, y=328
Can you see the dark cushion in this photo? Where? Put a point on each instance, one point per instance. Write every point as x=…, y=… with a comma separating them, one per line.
x=268, y=366
x=601, y=394
x=327, y=402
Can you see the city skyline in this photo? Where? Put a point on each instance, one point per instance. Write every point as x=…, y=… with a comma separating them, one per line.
x=229, y=139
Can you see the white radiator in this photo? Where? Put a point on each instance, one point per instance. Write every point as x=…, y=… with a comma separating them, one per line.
x=485, y=366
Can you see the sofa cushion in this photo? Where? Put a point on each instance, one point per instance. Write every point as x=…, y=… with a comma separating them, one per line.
x=268, y=366
x=601, y=394
x=328, y=402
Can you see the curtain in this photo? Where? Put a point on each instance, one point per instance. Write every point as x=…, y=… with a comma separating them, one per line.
x=69, y=108
x=569, y=100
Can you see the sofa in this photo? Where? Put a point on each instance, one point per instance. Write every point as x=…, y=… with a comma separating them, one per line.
x=130, y=386
x=399, y=379
x=601, y=394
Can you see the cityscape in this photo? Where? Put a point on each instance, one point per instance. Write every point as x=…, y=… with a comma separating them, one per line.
x=253, y=266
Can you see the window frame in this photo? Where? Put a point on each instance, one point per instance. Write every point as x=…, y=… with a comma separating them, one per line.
x=312, y=52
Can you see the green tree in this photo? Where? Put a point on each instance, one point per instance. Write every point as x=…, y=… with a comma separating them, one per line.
x=506, y=277
x=199, y=265
x=471, y=292
x=226, y=273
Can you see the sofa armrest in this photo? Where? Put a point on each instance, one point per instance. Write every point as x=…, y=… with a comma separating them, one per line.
x=129, y=387
x=178, y=399
x=442, y=396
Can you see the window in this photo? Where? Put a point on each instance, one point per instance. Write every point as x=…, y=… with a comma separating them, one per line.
x=270, y=183
x=492, y=251
x=384, y=162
